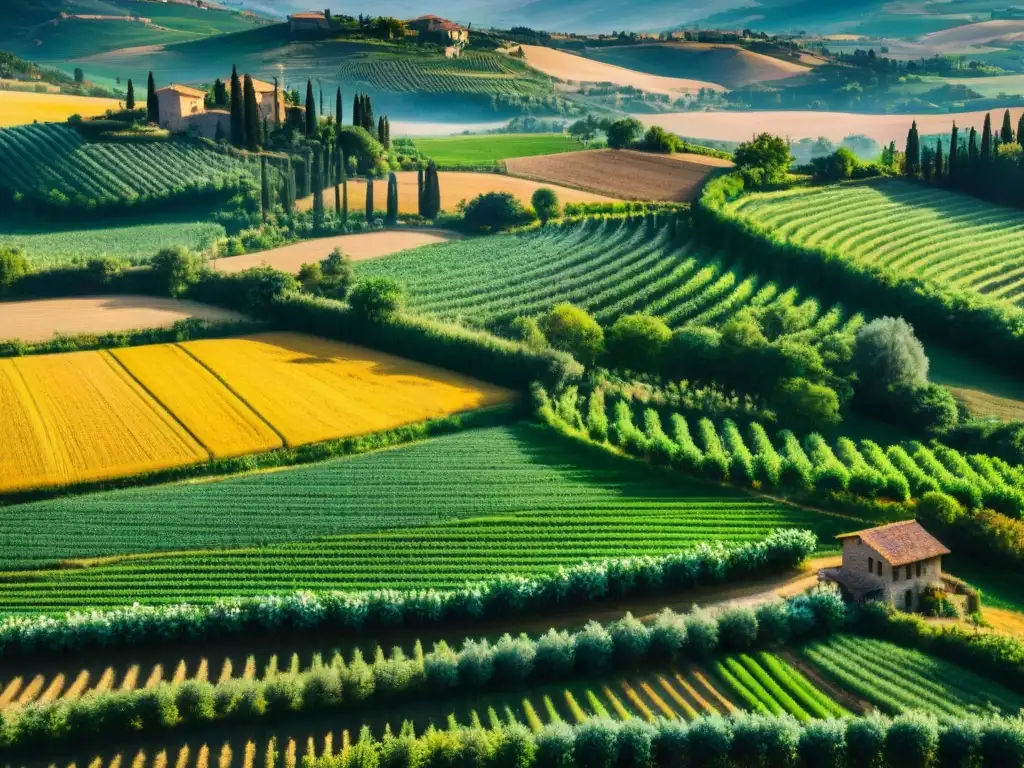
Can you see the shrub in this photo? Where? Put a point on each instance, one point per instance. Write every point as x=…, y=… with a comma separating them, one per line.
x=594, y=649
x=1002, y=743
x=494, y=211
x=637, y=342
x=441, y=668
x=283, y=693
x=701, y=633
x=823, y=744
x=377, y=298
x=176, y=269
x=912, y=740
x=634, y=745
x=321, y=688
x=572, y=330
x=476, y=663
x=357, y=680
x=13, y=266
x=555, y=744
x=710, y=742
x=526, y=330
x=959, y=744
x=631, y=640
x=938, y=507
x=865, y=741
x=514, y=658
x=516, y=747
x=888, y=354
x=556, y=654
x=668, y=636
x=623, y=133
x=772, y=623
x=195, y=701
x=764, y=160
x=545, y=203
x=737, y=628
x=595, y=745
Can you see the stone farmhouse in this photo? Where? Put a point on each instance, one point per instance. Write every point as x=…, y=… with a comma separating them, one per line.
x=434, y=29
x=183, y=109
x=894, y=562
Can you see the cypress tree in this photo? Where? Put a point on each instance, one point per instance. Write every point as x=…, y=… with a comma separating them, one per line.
x=152, y=104
x=1006, y=134
x=431, y=193
x=986, y=139
x=129, y=101
x=357, y=119
x=954, y=150
x=940, y=162
x=972, y=151
x=264, y=187
x=419, y=190
x=252, y=115
x=337, y=108
x=277, y=103
x=1020, y=130
x=369, y=199
x=337, y=176
x=220, y=93
x=344, y=191
x=392, y=198
x=380, y=129
x=310, y=111
x=368, y=121
x=321, y=90
x=237, y=110
x=913, y=157
x=387, y=133
x=318, y=189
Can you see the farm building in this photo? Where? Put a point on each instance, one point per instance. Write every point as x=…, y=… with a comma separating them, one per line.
x=434, y=29
x=312, y=21
x=894, y=562
x=183, y=109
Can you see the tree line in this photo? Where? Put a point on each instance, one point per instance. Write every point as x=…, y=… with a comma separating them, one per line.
x=988, y=165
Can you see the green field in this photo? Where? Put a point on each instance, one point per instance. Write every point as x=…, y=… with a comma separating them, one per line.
x=947, y=240
x=487, y=150
x=46, y=246
x=436, y=514
x=897, y=679
x=608, y=268
x=54, y=163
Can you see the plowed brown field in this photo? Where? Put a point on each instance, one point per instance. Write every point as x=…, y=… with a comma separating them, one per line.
x=622, y=173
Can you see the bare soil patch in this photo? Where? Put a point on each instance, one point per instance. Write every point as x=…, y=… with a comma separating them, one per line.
x=369, y=245
x=456, y=186
x=35, y=321
x=622, y=173
x=736, y=125
x=569, y=66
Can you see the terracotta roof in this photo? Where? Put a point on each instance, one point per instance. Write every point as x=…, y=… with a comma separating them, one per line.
x=436, y=22
x=308, y=16
x=900, y=543
x=184, y=90
x=262, y=87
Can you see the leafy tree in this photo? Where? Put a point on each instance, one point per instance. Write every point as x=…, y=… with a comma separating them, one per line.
x=622, y=133
x=129, y=101
x=545, y=203
x=888, y=355
x=310, y=110
x=220, y=93
x=377, y=298
x=527, y=330
x=310, y=277
x=252, y=115
x=657, y=139
x=807, y=404
x=931, y=408
x=237, y=110
x=937, y=507
x=572, y=330
x=13, y=266
x=79, y=75
x=765, y=160
x=176, y=268
x=494, y=211
x=152, y=104
x=839, y=165
x=637, y=342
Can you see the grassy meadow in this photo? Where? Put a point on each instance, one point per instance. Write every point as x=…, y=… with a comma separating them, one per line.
x=475, y=151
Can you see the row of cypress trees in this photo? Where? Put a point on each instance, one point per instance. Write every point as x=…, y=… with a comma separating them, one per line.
x=362, y=113
x=990, y=165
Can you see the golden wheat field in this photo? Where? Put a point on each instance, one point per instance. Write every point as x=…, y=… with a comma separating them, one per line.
x=79, y=417
x=311, y=389
x=20, y=108
x=210, y=411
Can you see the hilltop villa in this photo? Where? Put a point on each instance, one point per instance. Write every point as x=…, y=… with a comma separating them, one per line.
x=183, y=109
x=434, y=29
x=311, y=21
x=894, y=562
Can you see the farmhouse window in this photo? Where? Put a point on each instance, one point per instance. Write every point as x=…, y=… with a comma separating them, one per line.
x=918, y=570
x=871, y=565
x=879, y=567
x=908, y=571
x=895, y=573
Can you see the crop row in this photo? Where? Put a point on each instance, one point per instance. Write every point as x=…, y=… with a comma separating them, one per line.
x=724, y=452
x=53, y=161
x=610, y=268
x=898, y=679
x=952, y=241
x=406, y=74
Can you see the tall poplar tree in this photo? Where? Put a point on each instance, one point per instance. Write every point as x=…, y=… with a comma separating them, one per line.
x=338, y=108
x=237, y=110
x=972, y=151
x=344, y=190
x=912, y=164
x=940, y=162
x=264, y=188
x=277, y=103
x=252, y=115
x=318, y=188
x=419, y=190
x=310, y=111
x=357, y=111
x=129, y=101
x=1020, y=130
x=338, y=163
x=380, y=129
x=387, y=133
x=1005, y=134
x=369, y=199
x=431, y=193
x=152, y=103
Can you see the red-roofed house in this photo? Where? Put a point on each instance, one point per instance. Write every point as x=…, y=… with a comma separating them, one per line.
x=894, y=562
x=434, y=29
x=310, y=21
x=177, y=104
